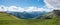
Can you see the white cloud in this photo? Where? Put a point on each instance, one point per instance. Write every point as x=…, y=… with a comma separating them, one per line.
x=30, y=9
x=55, y=4
x=20, y=9
x=3, y=8
x=12, y=8
x=47, y=4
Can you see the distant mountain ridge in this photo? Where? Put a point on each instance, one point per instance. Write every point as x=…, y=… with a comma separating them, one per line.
x=28, y=15
x=31, y=15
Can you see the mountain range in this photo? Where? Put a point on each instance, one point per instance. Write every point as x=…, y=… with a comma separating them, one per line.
x=28, y=15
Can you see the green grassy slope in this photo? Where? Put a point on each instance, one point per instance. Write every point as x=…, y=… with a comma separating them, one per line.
x=5, y=16
x=6, y=19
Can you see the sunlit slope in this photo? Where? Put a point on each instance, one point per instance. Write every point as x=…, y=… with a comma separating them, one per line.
x=5, y=16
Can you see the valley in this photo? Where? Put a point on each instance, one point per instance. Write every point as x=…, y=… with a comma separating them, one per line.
x=7, y=19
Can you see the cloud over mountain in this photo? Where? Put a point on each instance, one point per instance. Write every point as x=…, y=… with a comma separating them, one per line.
x=20, y=9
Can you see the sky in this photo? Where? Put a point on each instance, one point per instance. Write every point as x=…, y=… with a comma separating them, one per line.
x=29, y=5
x=22, y=3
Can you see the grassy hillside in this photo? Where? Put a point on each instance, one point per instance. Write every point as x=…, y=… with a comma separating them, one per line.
x=6, y=19
x=5, y=16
